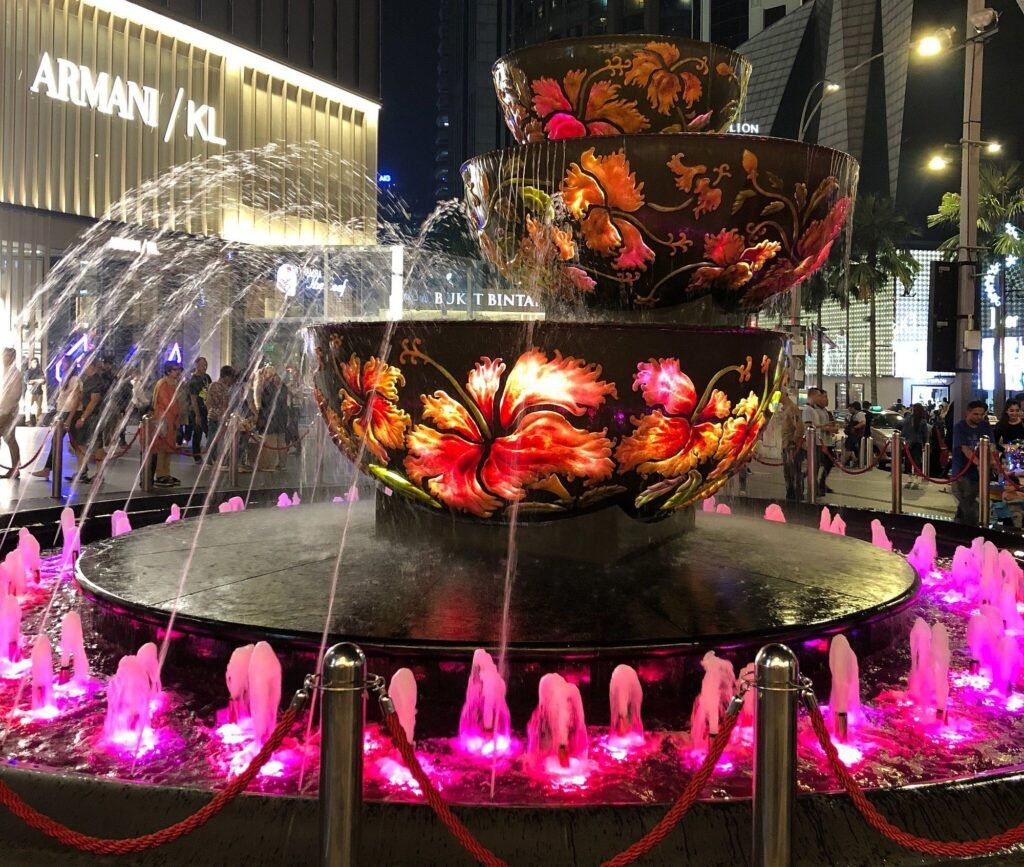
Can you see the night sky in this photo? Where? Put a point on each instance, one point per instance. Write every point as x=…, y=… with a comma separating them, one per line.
x=934, y=100
x=408, y=97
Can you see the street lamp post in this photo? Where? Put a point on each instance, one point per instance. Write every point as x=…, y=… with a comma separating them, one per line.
x=967, y=247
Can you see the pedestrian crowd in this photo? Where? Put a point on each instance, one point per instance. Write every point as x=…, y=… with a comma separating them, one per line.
x=96, y=401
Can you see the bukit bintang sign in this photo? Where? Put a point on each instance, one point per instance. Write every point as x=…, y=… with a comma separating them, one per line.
x=66, y=81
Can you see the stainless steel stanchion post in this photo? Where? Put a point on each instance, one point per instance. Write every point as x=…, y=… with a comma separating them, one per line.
x=57, y=464
x=811, y=447
x=146, y=454
x=343, y=709
x=232, y=434
x=984, y=462
x=777, y=684
x=926, y=459
x=896, y=471
x=865, y=453
x=321, y=452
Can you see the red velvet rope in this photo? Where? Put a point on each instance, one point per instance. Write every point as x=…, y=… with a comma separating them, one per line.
x=24, y=465
x=127, y=846
x=862, y=470
x=768, y=463
x=938, y=480
x=935, y=848
x=641, y=847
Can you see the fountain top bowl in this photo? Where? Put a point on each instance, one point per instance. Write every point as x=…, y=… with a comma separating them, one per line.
x=616, y=84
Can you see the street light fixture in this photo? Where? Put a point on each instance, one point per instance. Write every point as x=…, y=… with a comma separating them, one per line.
x=938, y=163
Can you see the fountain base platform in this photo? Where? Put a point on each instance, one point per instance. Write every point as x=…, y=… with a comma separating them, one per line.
x=731, y=584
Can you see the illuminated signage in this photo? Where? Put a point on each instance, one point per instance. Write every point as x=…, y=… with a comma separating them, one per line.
x=133, y=245
x=290, y=278
x=384, y=178
x=66, y=81
x=744, y=127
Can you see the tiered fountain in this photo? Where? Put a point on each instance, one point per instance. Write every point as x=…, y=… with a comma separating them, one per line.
x=531, y=553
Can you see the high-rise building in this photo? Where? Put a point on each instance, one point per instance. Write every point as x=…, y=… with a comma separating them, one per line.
x=338, y=40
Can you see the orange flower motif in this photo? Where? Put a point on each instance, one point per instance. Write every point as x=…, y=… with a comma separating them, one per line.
x=600, y=192
x=685, y=174
x=709, y=198
x=510, y=432
x=369, y=409
x=651, y=67
x=739, y=434
x=604, y=113
x=734, y=262
x=667, y=441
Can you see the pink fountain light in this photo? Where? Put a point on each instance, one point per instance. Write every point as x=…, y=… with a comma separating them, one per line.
x=557, y=739
x=485, y=725
x=773, y=512
x=844, y=701
x=716, y=691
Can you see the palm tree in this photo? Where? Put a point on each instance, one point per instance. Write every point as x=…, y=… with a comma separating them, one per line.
x=823, y=285
x=1000, y=212
x=876, y=258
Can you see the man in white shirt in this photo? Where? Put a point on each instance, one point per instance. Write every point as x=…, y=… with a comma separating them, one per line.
x=12, y=386
x=815, y=412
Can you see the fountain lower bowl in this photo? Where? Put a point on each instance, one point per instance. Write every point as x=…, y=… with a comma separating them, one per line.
x=545, y=420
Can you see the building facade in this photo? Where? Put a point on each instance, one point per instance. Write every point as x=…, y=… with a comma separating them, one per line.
x=103, y=97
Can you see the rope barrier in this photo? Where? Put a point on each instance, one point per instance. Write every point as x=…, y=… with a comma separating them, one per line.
x=682, y=804
x=125, y=447
x=937, y=479
x=935, y=848
x=769, y=463
x=131, y=845
x=24, y=465
x=452, y=822
x=862, y=470
x=641, y=847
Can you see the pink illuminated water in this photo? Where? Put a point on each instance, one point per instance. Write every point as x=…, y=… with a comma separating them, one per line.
x=898, y=741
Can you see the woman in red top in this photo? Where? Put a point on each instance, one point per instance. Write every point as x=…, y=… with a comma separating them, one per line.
x=167, y=415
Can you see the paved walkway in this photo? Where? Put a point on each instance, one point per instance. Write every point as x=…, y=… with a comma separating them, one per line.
x=871, y=490
x=120, y=477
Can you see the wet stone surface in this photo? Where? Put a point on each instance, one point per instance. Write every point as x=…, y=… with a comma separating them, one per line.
x=730, y=579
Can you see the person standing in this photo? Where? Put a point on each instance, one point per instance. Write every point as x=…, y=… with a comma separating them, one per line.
x=966, y=434
x=792, y=433
x=853, y=434
x=218, y=399
x=12, y=385
x=85, y=439
x=167, y=415
x=272, y=422
x=35, y=379
x=68, y=402
x=198, y=388
x=915, y=435
x=1009, y=439
x=816, y=412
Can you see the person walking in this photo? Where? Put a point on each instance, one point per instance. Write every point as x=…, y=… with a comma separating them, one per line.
x=198, y=389
x=966, y=434
x=167, y=415
x=793, y=444
x=35, y=379
x=915, y=435
x=67, y=404
x=85, y=432
x=12, y=385
x=816, y=412
x=218, y=400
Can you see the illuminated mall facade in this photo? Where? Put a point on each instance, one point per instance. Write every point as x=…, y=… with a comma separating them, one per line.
x=101, y=97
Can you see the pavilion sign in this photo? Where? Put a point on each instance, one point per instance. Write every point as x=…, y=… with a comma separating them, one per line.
x=66, y=81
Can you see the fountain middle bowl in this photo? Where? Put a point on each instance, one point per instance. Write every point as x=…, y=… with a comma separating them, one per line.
x=551, y=418
x=644, y=221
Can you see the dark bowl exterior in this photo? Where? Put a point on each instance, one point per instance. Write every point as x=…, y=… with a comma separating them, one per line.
x=623, y=84
x=561, y=418
x=648, y=221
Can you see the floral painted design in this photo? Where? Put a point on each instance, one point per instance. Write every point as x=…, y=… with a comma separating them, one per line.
x=624, y=89
x=369, y=417
x=734, y=263
x=657, y=67
x=508, y=432
x=569, y=109
x=692, y=444
x=602, y=193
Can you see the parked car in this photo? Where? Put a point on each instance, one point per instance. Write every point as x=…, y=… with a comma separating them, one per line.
x=883, y=425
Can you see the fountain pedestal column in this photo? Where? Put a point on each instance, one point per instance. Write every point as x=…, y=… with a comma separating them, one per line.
x=602, y=536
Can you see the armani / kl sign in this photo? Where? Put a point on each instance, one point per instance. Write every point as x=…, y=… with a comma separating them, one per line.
x=71, y=82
